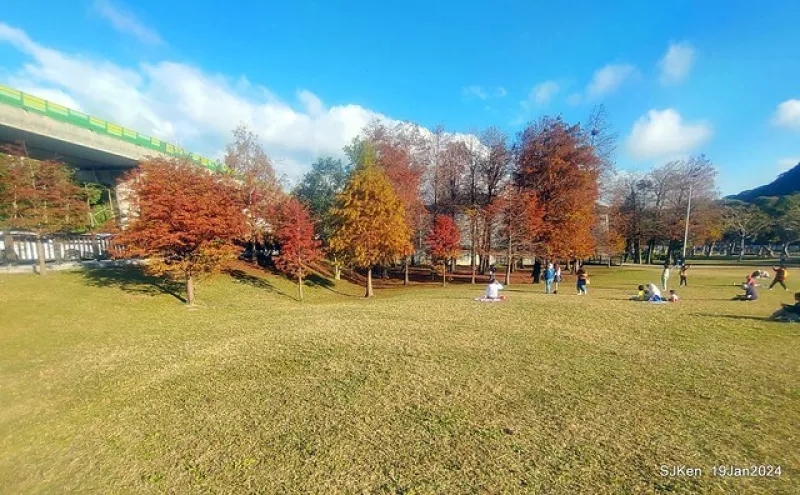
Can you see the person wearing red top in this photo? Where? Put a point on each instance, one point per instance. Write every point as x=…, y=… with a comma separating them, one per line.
x=780, y=277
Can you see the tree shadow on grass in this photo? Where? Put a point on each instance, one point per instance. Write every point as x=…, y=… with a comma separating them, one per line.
x=133, y=279
x=253, y=281
x=733, y=317
x=315, y=279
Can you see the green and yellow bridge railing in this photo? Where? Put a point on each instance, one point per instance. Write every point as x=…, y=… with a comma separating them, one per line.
x=55, y=111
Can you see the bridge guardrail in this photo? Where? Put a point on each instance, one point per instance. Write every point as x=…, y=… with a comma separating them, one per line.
x=14, y=97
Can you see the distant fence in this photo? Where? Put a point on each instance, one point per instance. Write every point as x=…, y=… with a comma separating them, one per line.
x=13, y=97
x=57, y=248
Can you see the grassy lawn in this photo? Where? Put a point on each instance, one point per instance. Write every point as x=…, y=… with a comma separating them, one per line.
x=108, y=384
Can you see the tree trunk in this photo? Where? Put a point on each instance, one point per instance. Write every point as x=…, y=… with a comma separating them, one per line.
x=8, y=241
x=40, y=254
x=741, y=250
x=300, y=285
x=472, y=229
x=444, y=273
x=405, y=271
x=337, y=271
x=369, y=283
x=190, y=290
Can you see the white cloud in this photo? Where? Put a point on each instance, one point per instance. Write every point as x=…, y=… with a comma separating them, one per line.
x=785, y=164
x=197, y=110
x=608, y=79
x=662, y=133
x=476, y=91
x=127, y=23
x=542, y=93
x=788, y=114
x=677, y=63
x=312, y=103
x=182, y=104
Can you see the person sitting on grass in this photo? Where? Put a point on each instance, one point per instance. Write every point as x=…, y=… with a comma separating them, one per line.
x=492, y=292
x=653, y=293
x=749, y=293
x=788, y=312
x=793, y=308
x=641, y=296
x=673, y=297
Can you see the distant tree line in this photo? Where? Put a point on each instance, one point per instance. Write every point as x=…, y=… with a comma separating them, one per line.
x=551, y=192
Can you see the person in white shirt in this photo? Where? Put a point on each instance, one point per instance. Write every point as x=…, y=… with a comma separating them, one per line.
x=493, y=290
x=653, y=294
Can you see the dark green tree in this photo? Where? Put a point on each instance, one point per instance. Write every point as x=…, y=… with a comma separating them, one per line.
x=321, y=184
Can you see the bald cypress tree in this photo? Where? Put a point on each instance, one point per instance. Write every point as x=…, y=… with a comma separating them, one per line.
x=369, y=220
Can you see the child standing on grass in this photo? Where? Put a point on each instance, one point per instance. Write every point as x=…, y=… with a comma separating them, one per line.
x=684, y=268
x=665, y=275
x=557, y=277
x=780, y=277
x=583, y=281
x=549, y=276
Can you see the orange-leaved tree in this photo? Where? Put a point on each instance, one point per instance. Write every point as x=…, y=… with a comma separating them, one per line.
x=295, y=235
x=444, y=242
x=369, y=220
x=406, y=179
x=557, y=162
x=39, y=197
x=184, y=220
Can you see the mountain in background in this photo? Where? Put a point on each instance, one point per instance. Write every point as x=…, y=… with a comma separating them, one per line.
x=786, y=183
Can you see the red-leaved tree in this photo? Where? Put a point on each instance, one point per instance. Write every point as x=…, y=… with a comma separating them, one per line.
x=183, y=220
x=298, y=247
x=559, y=165
x=444, y=242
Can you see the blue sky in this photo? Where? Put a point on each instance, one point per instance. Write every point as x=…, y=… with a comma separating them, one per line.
x=677, y=78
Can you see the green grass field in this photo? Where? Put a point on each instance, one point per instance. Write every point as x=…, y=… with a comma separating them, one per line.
x=108, y=384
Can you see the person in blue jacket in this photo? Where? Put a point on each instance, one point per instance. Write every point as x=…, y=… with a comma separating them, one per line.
x=549, y=277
